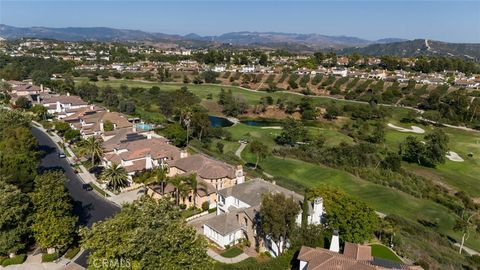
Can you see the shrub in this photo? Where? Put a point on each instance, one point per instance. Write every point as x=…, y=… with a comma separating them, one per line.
x=205, y=206
x=49, y=257
x=71, y=252
x=19, y=259
x=183, y=206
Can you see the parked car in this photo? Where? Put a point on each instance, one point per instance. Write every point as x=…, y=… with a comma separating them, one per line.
x=61, y=155
x=87, y=187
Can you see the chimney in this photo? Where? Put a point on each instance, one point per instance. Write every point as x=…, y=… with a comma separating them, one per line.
x=68, y=94
x=316, y=215
x=335, y=243
x=148, y=162
x=92, y=107
x=239, y=174
x=41, y=87
x=134, y=128
x=101, y=125
x=183, y=153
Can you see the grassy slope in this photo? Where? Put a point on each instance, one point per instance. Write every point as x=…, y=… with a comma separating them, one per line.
x=381, y=251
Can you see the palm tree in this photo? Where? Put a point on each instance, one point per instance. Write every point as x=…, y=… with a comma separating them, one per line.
x=194, y=184
x=91, y=147
x=161, y=177
x=115, y=176
x=178, y=182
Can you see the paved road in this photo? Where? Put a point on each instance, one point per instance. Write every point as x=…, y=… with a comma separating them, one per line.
x=88, y=206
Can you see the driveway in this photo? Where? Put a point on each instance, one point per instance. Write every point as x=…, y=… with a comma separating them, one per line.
x=88, y=206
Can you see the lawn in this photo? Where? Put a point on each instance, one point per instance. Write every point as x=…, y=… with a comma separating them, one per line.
x=383, y=252
x=231, y=252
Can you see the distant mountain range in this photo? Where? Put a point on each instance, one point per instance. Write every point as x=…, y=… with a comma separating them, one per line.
x=314, y=41
x=272, y=40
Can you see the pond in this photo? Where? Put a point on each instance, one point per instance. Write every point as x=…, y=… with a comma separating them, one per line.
x=261, y=123
x=216, y=121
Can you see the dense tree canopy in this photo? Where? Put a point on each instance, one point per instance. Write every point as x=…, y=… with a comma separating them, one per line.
x=14, y=222
x=355, y=220
x=149, y=234
x=53, y=222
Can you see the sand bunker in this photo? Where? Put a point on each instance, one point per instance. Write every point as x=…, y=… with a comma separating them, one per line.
x=274, y=127
x=413, y=129
x=454, y=156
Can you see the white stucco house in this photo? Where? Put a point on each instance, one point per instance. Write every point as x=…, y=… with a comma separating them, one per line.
x=237, y=214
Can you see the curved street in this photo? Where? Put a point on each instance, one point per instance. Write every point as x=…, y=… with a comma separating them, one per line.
x=88, y=205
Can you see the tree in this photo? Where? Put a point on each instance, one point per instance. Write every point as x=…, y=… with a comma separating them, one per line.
x=465, y=225
x=53, y=222
x=108, y=126
x=437, y=146
x=414, y=151
x=292, y=133
x=14, y=211
x=220, y=146
x=200, y=123
x=62, y=127
x=355, y=220
x=40, y=111
x=147, y=234
x=210, y=76
x=259, y=149
x=332, y=112
x=180, y=185
x=91, y=147
x=193, y=183
x=23, y=103
x=115, y=176
x=277, y=218
x=176, y=134
x=40, y=77
x=72, y=134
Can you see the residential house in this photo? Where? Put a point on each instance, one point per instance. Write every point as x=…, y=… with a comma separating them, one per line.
x=354, y=257
x=62, y=103
x=95, y=124
x=137, y=153
x=339, y=72
x=237, y=214
x=216, y=173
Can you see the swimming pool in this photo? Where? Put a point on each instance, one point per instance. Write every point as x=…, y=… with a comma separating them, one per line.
x=145, y=126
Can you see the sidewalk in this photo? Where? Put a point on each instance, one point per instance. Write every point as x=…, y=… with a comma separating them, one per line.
x=222, y=259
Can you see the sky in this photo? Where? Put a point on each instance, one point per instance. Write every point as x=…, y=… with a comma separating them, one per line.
x=446, y=20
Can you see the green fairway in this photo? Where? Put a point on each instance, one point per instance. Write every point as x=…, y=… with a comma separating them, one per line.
x=458, y=175
x=383, y=252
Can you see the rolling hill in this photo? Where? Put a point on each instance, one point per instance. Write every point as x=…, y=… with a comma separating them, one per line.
x=419, y=47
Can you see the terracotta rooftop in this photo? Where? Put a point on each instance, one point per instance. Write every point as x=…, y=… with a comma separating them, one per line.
x=64, y=99
x=355, y=257
x=205, y=167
